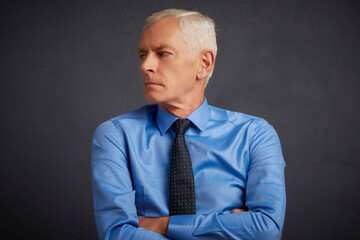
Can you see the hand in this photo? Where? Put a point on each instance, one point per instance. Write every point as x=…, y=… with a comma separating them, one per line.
x=237, y=210
x=159, y=225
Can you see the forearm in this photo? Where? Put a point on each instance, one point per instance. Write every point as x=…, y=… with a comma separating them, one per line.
x=131, y=232
x=244, y=225
x=159, y=224
x=254, y=225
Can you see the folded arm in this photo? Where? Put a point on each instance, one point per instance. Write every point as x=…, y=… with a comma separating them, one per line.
x=114, y=196
x=160, y=224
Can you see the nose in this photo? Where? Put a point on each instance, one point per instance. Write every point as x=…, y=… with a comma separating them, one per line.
x=149, y=64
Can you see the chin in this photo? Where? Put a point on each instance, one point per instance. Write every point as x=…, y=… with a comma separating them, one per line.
x=151, y=99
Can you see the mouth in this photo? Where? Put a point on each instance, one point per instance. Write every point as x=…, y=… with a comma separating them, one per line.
x=146, y=84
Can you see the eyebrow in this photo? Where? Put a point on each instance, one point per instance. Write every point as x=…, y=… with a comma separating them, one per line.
x=142, y=50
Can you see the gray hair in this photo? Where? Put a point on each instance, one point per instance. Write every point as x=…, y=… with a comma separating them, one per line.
x=198, y=30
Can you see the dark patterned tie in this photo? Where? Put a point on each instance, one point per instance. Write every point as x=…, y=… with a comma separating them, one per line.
x=182, y=189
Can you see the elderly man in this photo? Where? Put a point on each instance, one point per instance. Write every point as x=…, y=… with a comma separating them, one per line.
x=180, y=168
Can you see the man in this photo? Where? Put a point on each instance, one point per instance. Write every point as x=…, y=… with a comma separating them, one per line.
x=235, y=179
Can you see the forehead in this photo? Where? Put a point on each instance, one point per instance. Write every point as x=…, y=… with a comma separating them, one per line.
x=162, y=33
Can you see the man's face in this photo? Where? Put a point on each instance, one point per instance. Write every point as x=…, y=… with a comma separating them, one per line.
x=169, y=70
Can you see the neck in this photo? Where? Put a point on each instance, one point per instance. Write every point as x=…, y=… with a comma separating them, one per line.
x=182, y=110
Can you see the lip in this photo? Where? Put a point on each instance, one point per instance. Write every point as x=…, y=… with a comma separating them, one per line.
x=151, y=84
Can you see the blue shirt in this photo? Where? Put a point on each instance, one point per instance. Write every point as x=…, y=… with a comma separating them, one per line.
x=237, y=163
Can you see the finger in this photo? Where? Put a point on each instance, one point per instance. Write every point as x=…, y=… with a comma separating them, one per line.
x=237, y=210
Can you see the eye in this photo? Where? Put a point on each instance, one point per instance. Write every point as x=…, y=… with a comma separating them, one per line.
x=163, y=53
x=142, y=56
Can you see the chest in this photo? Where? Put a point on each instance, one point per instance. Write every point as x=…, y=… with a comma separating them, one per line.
x=220, y=174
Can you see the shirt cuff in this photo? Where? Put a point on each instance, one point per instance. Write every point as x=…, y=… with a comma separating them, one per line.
x=181, y=226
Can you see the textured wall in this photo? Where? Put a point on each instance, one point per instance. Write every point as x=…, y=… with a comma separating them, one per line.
x=66, y=66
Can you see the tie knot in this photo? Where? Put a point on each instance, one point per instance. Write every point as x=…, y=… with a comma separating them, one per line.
x=181, y=126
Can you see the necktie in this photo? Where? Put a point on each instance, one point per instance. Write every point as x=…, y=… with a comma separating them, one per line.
x=182, y=189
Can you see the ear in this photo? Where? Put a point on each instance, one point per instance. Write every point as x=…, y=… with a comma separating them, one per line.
x=207, y=62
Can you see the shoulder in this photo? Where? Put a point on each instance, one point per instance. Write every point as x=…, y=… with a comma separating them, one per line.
x=140, y=114
x=133, y=119
x=259, y=132
x=235, y=118
x=236, y=122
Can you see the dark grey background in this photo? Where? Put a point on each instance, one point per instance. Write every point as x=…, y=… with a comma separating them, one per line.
x=66, y=66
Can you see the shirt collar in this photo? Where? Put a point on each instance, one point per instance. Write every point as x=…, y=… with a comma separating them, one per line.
x=199, y=117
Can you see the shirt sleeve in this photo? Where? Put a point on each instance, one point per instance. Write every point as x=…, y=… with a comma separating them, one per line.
x=113, y=192
x=265, y=198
